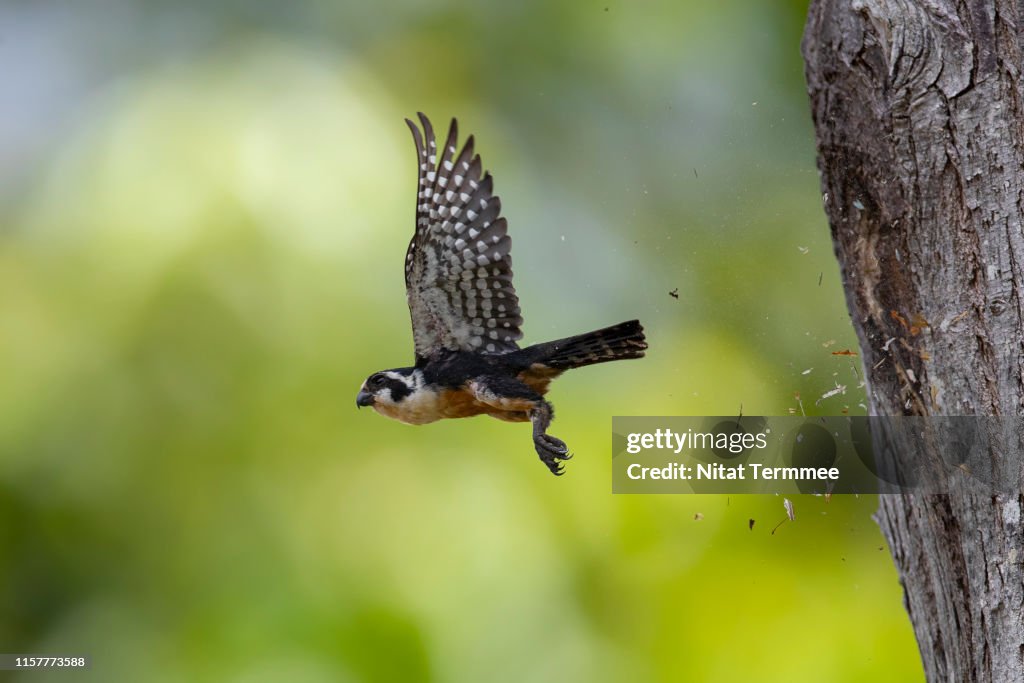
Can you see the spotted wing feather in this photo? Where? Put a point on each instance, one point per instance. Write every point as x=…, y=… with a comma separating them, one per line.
x=458, y=270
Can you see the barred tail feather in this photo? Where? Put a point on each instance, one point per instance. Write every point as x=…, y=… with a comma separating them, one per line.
x=618, y=342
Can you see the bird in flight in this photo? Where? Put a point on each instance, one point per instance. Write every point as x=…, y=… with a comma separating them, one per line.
x=465, y=312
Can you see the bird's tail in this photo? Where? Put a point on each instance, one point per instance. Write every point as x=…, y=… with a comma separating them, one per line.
x=618, y=342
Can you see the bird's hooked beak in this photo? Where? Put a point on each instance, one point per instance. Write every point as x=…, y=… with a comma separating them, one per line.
x=364, y=398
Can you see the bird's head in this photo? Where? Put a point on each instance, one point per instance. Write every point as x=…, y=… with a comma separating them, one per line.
x=388, y=388
x=401, y=394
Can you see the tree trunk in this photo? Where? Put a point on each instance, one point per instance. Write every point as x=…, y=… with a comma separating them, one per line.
x=919, y=112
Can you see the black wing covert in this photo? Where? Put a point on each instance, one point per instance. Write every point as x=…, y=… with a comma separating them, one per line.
x=458, y=271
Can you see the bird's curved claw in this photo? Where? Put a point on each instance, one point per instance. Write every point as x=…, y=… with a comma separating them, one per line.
x=552, y=452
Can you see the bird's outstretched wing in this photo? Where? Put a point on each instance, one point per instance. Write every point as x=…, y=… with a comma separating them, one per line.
x=458, y=271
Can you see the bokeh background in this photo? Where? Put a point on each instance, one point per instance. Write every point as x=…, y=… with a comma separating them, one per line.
x=204, y=209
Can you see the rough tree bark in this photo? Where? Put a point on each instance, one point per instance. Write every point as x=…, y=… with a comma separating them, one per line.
x=919, y=111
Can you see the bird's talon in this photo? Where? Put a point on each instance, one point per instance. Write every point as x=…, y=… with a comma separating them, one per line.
x=554, y=443
x=552, y=452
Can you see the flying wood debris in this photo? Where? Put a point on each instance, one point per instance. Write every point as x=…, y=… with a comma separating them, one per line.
x=844, y=352
x=674, y=293
x=800, y=402
x=790, y=514
x=840, y=389
x=895, y=315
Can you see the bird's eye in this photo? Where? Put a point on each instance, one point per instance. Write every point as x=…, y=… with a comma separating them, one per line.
x=376, y=380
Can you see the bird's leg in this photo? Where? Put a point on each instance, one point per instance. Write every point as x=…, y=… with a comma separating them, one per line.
x=517, y=398
x=551, y=450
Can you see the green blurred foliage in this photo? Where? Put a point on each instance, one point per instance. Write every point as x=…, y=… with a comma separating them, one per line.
x=207, y=264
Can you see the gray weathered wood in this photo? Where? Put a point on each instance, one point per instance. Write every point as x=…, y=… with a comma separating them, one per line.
x=919, y=114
